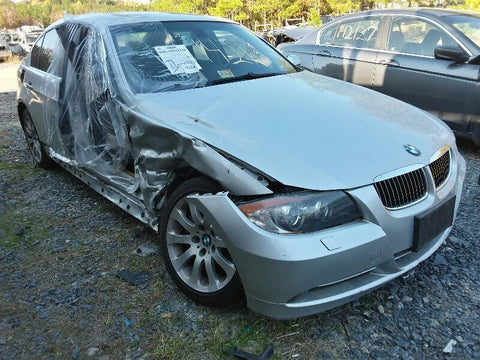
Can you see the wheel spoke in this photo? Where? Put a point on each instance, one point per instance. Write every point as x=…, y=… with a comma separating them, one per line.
x=213, y=281
x=180, y=261
x=30, y=129
x=179, y=216
x=174, y=238
x=196, y=269
x=196, y=215
x=36, y=151
x=225, y=264
x=219, y=242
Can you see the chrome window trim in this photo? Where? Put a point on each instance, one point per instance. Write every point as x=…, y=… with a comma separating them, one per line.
x=317, y=39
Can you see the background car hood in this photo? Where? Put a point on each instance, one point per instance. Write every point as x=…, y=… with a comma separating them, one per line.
x=303, y=129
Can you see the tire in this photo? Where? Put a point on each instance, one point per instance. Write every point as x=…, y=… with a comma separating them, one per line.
x=33, y=142
x=194, y=254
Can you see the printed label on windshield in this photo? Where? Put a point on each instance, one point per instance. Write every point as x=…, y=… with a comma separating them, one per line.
x=178, y=59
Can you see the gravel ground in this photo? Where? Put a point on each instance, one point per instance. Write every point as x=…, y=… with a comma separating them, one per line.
x=61, y=245
x=8, y=76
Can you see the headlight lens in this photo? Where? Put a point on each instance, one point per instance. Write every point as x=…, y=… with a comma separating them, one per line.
x=302, y=212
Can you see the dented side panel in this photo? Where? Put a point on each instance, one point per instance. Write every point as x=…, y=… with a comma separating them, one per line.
x=90, y=123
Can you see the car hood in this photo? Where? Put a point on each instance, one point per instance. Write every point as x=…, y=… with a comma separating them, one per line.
x=303, y=129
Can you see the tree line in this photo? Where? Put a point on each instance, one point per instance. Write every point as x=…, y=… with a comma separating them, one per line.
x=248, y=12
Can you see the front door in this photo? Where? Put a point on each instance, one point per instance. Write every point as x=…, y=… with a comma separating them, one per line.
x=407, y=70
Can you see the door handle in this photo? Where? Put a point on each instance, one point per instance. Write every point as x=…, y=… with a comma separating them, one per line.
x=323, y=53
x=29, y=85
x=389, y=62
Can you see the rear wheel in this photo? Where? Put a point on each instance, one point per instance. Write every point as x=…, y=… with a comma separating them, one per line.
x=194, y=252
x=33, y=142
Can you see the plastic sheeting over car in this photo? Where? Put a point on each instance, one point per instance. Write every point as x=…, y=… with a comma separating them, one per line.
x=92, y=125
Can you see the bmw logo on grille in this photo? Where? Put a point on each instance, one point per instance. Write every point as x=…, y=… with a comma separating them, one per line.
x=412, y=150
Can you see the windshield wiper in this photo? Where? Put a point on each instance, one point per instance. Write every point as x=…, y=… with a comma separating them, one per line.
x=247, y=76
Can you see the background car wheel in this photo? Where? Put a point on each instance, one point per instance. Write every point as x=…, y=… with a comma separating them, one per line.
x=33, y=142
x=194, y=253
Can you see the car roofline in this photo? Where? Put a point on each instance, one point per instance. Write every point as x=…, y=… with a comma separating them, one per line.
x=105, y=20
x=432, y=12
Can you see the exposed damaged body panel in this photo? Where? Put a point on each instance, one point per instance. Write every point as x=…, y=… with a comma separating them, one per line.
x=89, y=123
x=293, y=190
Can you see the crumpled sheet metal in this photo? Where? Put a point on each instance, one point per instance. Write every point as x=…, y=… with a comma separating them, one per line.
x=177, y=150
x=96, y=129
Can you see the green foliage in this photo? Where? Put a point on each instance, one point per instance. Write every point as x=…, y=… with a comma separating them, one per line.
x=314, y=18
x=473, y=5
x=248, y=12
x=343, y=6
x=44, y=12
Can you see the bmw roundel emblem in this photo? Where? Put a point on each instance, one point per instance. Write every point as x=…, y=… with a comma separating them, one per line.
x=412, y=150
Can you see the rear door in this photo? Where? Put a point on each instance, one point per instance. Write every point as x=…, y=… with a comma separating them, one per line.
x=407, y=69
x=347, y=50
x=43, y=79
x=32, y=76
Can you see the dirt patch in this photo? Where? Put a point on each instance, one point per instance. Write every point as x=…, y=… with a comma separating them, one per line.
x=8, y=76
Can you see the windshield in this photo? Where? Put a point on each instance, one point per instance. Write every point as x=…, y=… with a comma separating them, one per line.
x=469, y=25
x=172, y=56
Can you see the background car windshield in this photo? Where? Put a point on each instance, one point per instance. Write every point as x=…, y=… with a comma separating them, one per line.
x=172, y=56
x=469, y=25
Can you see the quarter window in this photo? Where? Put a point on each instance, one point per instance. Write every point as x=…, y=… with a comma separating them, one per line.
x=47, y=53
x=417, y=37
x=357, y=33
x=35, y=53
x=51, y=48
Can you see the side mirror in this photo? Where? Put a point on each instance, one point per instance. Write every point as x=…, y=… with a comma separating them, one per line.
x=294, y=59
x=450, y=53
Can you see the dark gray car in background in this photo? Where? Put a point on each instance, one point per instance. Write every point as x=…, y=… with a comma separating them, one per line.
x=427, y=57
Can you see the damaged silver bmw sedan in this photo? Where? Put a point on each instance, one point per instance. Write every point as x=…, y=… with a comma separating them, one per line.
x=296, y=191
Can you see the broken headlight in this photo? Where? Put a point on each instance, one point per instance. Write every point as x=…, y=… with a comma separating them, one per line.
x=303, y=212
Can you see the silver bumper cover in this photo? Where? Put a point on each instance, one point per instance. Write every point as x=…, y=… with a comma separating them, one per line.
x=289, y=276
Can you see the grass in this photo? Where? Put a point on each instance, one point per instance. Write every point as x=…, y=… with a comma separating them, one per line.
x=174, y=347
x=15, y=173
x=18, y=227
x=5, y=142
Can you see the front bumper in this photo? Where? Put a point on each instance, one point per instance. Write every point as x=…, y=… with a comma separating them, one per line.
x=289, y=276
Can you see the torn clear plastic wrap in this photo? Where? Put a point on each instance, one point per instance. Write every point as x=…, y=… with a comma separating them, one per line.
x=98, y=128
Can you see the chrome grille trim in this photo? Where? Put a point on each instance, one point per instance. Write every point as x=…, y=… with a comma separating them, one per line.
x=403, y=190
x=440, y=169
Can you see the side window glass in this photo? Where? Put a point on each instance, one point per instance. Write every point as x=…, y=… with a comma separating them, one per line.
x=35, y=53
x=328, y=35
x=357, y=33
x=417, y=37
x=52, y=53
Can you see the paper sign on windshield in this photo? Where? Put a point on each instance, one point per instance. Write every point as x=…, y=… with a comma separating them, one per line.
x=178, y=59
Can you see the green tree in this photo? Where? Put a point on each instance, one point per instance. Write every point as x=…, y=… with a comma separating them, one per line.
x=473, y=5
x=338, y=7
x=227, y=8
x=181, y=6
